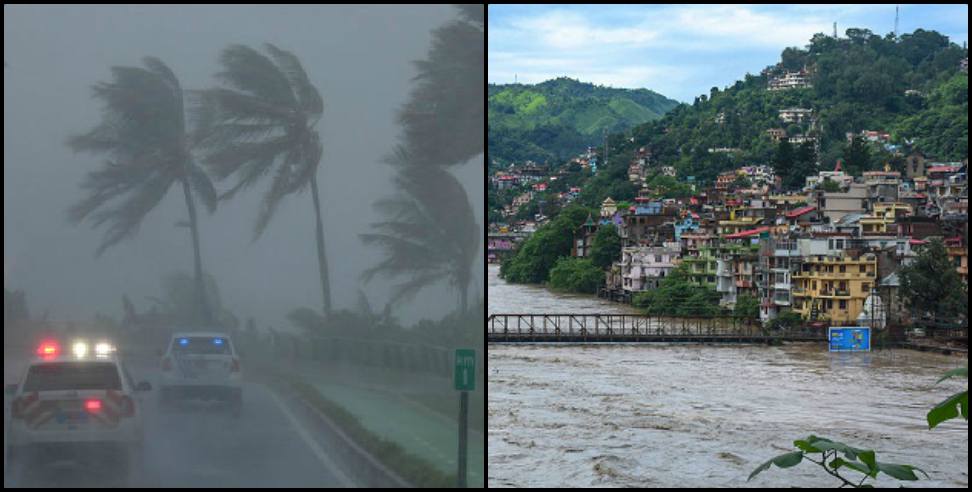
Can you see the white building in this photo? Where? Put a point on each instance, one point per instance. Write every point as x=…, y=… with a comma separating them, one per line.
x=790, y=80
x=795, y=115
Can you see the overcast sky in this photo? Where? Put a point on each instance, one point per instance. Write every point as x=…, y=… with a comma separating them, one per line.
x=359, y=59
x=680, y=51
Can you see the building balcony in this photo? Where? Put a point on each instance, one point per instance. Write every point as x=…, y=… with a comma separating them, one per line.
x=781, y=302
x=782, y=286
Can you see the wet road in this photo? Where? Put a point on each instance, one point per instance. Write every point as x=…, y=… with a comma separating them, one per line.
x=201, y=445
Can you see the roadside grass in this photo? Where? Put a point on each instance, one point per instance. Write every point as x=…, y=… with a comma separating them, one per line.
x=447, y=405
x=412, y=469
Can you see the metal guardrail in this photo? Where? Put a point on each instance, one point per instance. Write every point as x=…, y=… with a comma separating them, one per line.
x=622, y=327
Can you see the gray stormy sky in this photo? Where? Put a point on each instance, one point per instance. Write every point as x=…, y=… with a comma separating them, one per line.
x=359, y=59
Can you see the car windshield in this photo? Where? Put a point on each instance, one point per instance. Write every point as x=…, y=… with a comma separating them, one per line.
x=72, y=376
x=201, y=346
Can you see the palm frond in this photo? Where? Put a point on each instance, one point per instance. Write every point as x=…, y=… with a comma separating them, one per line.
x=278, y=189
x=250, y=71
x=310, y=99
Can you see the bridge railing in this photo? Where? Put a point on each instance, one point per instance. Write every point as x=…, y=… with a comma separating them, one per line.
x=618, y=325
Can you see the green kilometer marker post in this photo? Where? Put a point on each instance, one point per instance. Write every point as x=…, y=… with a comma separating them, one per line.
x=465, y=381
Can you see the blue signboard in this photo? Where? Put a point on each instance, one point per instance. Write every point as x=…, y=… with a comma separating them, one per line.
x=849, y=338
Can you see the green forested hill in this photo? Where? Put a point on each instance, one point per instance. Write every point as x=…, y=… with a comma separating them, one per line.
x=859, y=83
x=556, y=119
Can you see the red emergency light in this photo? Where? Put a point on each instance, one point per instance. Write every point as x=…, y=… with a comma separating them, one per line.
x=48, y=348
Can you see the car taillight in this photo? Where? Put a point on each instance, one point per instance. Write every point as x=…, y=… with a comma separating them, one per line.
x=166, y=364
x=128, y=407
x=236, y=366
x=93, y=406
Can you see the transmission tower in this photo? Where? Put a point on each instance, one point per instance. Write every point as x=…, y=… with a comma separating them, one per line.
x=895, y=22
x=835, y=30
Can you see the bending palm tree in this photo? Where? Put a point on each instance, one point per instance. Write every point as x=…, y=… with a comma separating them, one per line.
x=143, y=133
x=263, y=123
x=431, y=234
x=443, y=119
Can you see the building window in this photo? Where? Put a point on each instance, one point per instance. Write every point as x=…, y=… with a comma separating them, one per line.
x=843, y=305
x=863, y=269
x=865, y=287
x=843, y=269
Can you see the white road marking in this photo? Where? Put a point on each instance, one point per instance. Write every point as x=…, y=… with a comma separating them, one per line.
x=305, y=435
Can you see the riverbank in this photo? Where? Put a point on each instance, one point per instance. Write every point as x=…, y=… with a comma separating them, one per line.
x=505, y=297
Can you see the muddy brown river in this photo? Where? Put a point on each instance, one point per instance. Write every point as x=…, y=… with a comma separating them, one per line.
x=652, y=415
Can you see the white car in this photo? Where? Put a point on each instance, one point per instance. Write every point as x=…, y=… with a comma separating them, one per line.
x=76, y=405
x=201, y=365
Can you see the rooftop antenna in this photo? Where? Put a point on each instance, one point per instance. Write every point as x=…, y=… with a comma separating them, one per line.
x=896, y=22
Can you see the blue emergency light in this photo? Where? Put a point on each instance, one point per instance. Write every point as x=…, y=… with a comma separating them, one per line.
x=218, y=341
x=183, y=341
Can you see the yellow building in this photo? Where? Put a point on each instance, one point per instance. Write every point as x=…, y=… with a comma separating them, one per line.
x=738, y=224
x=884, y=214
x=833, y=288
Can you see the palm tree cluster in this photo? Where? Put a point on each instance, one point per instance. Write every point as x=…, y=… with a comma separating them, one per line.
x=261, y=120
x=431, y=233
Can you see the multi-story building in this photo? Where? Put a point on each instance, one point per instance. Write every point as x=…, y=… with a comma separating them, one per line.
x=644, y=267
x=834, y=287
x=790, y=80
x=776, y=134
x=584, y=238
x=649, y=224
x=702, y=267
x=958, y=254
x=795, y=115
x=778, y=260
x=737, y=266
x=836, y=205
x=884, y=214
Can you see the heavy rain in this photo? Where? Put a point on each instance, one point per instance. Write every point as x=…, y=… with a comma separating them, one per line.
x=243, y=247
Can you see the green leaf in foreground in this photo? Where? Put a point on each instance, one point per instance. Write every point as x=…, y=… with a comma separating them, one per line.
x=949, y=409
x=962, y=371
x=901, y=472
x=853, y=465
x=783, y=461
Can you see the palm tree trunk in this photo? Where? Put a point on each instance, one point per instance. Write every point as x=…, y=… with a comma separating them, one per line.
x=321, y=258
x=205, y=312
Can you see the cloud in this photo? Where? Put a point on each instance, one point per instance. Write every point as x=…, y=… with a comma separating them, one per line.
x=677, y=50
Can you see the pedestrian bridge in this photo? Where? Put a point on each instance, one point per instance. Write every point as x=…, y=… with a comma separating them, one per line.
x=586, y=328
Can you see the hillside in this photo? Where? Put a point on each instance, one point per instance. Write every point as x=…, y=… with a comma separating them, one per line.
x=911, y=88
x=556, y=119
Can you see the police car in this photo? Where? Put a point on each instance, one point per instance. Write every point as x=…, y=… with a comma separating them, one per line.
x=75, y=403
x=201, y=366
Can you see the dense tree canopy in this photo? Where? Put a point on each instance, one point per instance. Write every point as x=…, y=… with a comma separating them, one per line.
x=931, y=287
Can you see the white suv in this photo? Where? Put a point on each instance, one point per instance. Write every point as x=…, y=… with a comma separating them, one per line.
x=75, y=405
x=201, y=365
